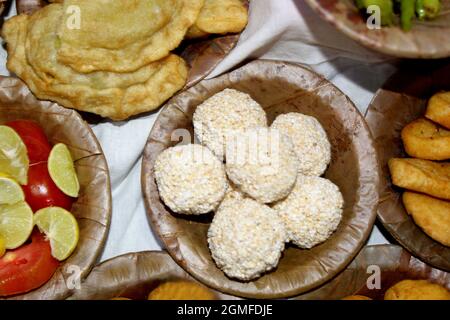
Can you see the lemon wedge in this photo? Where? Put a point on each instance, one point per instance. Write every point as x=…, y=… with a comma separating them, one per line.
x=16, y=223
x=10, y=191
x=61, y=228
x=13, y=155
x=62, y=170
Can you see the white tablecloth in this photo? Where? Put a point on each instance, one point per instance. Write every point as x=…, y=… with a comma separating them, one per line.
x=278, y=29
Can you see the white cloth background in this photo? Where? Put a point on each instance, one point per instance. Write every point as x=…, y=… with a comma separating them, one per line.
x=278, y=29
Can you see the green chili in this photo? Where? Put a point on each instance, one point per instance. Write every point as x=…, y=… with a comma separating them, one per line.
x=407, y=10
x=420, y=9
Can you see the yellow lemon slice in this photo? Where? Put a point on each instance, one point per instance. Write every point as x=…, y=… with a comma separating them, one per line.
x=13, y=155
x=62, y=170
x=2, y=246
x=10, y=191
x=16, y=223
x=61, y=228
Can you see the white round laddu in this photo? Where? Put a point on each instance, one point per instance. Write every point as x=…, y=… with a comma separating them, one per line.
x=226, y=111
x=262, y=163
x=190, y=179
x=246, y=238
x=312, y=212
x=310, y=141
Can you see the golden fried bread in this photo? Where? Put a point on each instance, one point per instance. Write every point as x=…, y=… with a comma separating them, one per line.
x=424, y=139
x=194, y=32
x=181, y=290
x=220, y=17
x=356, y=297
x=430, y=214
x=123, y=35
x=31, y=44
x=417, y=290
x=438, y=109
x=421, y=176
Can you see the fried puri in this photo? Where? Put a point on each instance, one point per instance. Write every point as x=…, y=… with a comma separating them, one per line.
x=123, y=35
x=417, y=290
x=32, y=55
x=438, y=109
x=430, y=214
x=220, y=17
x=421, y=176
x=424, y=139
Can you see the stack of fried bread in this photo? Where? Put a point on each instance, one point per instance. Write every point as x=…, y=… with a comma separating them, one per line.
x=112, y=57
x=426, y=176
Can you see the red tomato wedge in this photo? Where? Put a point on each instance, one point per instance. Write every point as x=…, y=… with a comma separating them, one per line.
x=34, y=138
x=41, y=192
x=27, y=267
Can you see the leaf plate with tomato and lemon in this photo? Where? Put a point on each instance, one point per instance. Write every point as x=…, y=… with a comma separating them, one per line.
x=55, y=197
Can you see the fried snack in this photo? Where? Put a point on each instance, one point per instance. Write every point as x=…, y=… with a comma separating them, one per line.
x=425, y=140
x=421, y=176
x=438, y=109
x=417, y=290
x=356, y=297
x=31, y=43
x=194, y=33
x=181, y=290
x=430, y=214
x=123, y=35
x=220, y=17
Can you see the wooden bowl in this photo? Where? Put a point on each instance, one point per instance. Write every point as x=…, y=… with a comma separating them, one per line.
x=132, y=276
x=280, y=88
x=401, y=100
x=426, y=40
x=391, y=262
x=93, y=207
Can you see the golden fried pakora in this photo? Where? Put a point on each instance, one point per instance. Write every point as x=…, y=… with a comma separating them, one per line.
x=430, y=214
x=417, y=290
x=220, y=17
x=424, y=139
x=122, y=35
x=422, y=176
x=438, y=109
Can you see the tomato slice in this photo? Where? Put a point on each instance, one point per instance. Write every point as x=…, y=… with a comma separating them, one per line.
x=27, y=267
x=42, y=192
x=34, y=138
